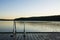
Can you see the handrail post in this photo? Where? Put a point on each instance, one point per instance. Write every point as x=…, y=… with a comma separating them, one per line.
x=14, y=31
x=24, y=31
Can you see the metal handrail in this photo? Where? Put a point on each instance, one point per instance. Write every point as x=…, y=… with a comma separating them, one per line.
x=14, y=31
x=24, y=32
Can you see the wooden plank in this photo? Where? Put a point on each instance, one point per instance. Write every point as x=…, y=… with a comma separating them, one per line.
x=34, y=37
x=31, y=36
x=37, y=37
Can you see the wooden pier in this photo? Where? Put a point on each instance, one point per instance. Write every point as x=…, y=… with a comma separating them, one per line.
x=32, y=36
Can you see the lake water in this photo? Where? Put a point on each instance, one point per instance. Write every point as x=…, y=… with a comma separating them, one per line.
x=7, y=26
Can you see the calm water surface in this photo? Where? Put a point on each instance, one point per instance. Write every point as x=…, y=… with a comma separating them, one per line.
x=7, y=26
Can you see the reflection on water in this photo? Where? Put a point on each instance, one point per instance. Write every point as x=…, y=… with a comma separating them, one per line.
x=7, y=26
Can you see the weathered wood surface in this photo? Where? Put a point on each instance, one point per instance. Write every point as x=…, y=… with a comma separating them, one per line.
x=32, y=36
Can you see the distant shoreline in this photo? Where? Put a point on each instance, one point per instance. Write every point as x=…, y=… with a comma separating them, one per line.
x=42, y=18
x=6, y=20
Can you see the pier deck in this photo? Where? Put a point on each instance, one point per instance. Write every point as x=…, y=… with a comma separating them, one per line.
x=32, y=36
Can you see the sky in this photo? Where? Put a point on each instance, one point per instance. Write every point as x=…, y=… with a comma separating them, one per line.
x=10, y=9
